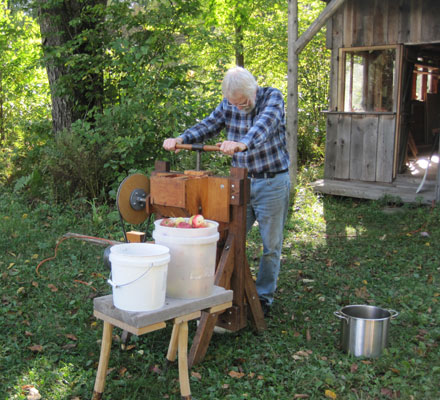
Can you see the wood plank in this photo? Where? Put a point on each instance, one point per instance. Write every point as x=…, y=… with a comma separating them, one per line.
x=194, y=189
x=404, y=27
x=380, y=22
x=331, y=145
x=416, y=22
x=215, y=199
x=185, y=390
x=348, y=24
x=385, y=148
x=431, y=21
x=103, y=360
x=127, y=327
x=358, y=22
x=393, y=22
x=168, y=190
x=369, y=127
x=337, y=42
x=356, y=147
x=373, y=190
x=316, y=25
x=202, y=338
x=172, y=308
x=342, y=165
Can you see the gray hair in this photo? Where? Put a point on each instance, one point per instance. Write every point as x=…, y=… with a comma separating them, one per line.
x=239, y=80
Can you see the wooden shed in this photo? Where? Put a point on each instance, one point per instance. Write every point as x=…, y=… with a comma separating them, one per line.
x=383, y=116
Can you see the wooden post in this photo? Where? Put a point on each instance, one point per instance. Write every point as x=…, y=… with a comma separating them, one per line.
x=103, y=361
x=292, y=91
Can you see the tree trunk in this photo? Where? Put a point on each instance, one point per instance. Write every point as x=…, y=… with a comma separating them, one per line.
x=239, y=50
x=53, y=22
x=84, y=91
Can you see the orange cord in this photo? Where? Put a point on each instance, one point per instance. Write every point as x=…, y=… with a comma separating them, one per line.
x=62, y=240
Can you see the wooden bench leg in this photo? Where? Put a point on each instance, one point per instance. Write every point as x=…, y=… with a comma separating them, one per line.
x=183, y=360
x=103, y=361
x=172, y=348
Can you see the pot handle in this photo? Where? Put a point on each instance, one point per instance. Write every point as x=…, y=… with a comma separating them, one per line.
x=393, y=313
x=340, y=315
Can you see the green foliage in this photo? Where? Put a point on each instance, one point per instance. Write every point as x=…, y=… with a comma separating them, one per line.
x=24, y=91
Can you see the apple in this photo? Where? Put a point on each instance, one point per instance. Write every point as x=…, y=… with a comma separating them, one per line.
x=197, y=221
x=177, y=221
x=184, y=224
x=168, y=222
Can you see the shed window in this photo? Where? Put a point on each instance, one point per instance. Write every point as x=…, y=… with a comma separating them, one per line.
x=368, y=80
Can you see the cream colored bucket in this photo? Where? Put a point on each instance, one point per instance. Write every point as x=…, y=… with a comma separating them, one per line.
x=139, y=276
x=191, y=270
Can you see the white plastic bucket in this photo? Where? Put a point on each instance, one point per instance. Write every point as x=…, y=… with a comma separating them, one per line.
x=139, y=276
x=191, y=269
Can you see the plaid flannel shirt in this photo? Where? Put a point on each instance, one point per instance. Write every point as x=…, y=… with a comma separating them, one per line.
x=262, y=130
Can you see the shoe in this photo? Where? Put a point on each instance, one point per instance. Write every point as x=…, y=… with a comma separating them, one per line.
x=265, y=307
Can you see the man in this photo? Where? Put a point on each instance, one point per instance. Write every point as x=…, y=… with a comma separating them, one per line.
x=253, y=118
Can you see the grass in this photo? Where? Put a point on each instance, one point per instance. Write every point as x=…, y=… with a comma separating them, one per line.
x=338, y=251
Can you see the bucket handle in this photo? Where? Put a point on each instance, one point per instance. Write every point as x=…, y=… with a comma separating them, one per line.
x=340, y=315
x=116, y=285
x=393, y=313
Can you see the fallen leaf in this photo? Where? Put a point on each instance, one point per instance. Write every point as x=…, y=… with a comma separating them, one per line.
x=386, y=392
x=27, y=333
x=69, y=346
x=362, y=292
x=302, y=353
x=122, y=371
x=52, y=287
x=36, y=348
x=330, y=394
x=71, y=336
x=235, y=374
x=33, y=394
x=156, y=369
x=301, y=396
x=225, y=386
x=353, y=368
x=196, y=375
x=308, y=335
x=34, y=284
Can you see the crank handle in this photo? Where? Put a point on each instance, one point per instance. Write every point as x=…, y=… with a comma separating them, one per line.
x=201, y=147
x=197, y=147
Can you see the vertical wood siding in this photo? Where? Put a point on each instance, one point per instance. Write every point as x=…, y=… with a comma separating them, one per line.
x=382, y=22
x=360, y=147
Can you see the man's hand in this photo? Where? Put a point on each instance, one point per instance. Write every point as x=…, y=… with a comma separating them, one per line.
x=170, y=144
x=229, y=147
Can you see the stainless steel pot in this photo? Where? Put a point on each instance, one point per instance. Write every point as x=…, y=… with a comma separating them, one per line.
x=364, y=329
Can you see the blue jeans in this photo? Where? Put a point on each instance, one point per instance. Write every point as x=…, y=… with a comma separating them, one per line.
x=268, y=205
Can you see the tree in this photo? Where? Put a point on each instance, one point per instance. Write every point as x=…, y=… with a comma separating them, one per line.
x=68, y=30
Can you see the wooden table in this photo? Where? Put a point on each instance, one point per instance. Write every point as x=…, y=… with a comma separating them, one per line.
x=177, y=311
